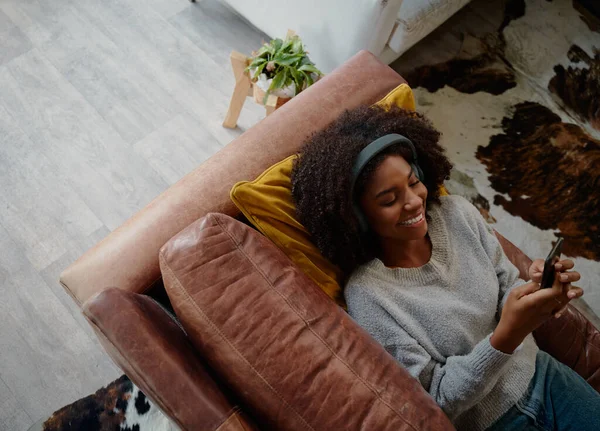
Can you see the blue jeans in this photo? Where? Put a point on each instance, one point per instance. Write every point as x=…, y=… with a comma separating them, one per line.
x=557, y=399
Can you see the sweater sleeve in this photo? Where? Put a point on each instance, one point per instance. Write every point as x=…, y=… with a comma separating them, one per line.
x=456, y=384
x=507, y=273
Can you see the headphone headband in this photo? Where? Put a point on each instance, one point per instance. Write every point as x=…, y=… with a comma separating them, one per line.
x=365, y=156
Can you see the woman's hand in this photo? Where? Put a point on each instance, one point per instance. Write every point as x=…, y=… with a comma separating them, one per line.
x=566, y=277
x=527, y=307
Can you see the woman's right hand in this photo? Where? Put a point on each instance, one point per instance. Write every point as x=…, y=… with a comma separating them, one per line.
x=526, y=308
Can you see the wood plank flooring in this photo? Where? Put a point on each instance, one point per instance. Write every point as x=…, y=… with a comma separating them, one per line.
x=103, y=105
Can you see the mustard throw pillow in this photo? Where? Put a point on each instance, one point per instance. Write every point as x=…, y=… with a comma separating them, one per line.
x=267, y=203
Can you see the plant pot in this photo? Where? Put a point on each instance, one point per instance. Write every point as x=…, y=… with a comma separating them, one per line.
x=259, y=96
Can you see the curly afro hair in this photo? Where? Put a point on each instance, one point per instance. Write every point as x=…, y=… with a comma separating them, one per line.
x=321, y=177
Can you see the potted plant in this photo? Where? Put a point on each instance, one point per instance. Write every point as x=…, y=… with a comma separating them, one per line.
x=281, y=68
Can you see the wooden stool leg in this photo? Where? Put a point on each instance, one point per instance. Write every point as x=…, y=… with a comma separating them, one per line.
x=242, y=89
x=271, y=104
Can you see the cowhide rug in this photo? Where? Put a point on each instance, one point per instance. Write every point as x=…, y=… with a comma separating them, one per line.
x=516, y=98
x=120, y=406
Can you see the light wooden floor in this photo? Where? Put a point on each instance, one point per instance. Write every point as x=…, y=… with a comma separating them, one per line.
x=103, y=105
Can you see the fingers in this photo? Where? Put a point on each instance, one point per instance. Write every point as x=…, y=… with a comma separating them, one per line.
x=552, y=301
x=564, y=265
x=568, y=277
x=537, y=268
x=536, y=276
x=547, y=299
x=544, y=295
x=538, y=264
x=560, y=312
x=557, y=285
x=574, y=292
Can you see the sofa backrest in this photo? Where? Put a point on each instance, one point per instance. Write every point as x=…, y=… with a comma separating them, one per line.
x=128, y=257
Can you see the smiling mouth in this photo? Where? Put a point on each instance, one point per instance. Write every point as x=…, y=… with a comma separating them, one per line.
x=412, y=221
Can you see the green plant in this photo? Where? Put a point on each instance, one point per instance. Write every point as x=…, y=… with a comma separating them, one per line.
x=284, y=61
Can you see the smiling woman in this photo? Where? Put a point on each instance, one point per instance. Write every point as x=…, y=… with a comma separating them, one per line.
x=429, y=279
x=322, y=179
x=394, y=202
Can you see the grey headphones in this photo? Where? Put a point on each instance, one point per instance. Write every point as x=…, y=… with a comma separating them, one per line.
x=365, y=156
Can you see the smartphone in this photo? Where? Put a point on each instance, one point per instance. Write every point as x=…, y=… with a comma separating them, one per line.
x=549, y=271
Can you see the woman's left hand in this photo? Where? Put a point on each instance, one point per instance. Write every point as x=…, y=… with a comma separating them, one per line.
x=565, y=276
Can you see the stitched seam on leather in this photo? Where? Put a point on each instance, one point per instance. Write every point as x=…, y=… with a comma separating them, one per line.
x=218, y=331
x=585, y=334
x=139, y=375
x=306, y=323
x=230, y=416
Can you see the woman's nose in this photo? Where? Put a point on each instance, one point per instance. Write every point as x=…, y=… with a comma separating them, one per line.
x=413, y=201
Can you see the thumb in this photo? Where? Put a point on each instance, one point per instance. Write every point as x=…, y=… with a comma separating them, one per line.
x=536, y=269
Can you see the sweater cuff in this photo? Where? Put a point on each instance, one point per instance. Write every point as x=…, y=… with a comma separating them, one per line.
x=487, y=359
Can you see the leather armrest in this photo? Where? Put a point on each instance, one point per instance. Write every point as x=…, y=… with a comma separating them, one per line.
x=516, y=256
x=156, y=355
x=575, y=342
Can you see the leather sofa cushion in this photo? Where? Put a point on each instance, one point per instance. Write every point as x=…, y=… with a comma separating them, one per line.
x=294, y=357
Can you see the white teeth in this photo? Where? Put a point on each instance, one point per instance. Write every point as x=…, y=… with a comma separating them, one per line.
x=412, y=220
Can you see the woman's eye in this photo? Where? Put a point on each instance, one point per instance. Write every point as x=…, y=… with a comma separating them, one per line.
x=415, y=183
x=388, y=204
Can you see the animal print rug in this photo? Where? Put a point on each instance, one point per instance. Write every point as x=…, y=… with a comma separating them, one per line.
x=518, y=106
x=516, y=98
x=120, y=406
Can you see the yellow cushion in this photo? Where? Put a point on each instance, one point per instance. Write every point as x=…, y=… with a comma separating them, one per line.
x=267, y=203
x=401, y=96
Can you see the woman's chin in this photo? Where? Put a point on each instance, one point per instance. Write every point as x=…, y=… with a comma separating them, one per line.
x=416, y=231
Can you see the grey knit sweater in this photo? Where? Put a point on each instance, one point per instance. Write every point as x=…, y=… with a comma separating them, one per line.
x=436, y=320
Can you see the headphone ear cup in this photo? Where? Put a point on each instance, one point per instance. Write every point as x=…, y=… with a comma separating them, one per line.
x=360, y=217
x=418, y=172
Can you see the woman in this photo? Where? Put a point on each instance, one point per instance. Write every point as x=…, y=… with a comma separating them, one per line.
x=430, y=281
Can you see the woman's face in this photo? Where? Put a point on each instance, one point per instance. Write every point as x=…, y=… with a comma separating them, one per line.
x=394, y=201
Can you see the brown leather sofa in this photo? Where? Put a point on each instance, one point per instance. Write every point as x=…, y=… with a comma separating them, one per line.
x=118, y=282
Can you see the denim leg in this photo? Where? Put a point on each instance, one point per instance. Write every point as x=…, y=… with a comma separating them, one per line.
x=570, y=402
x=515, y=420
x=557, y=399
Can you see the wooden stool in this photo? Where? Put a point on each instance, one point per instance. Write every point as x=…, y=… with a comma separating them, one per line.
x=244, y=88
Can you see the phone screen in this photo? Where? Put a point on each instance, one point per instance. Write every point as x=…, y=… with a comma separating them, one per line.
x=549, y=272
